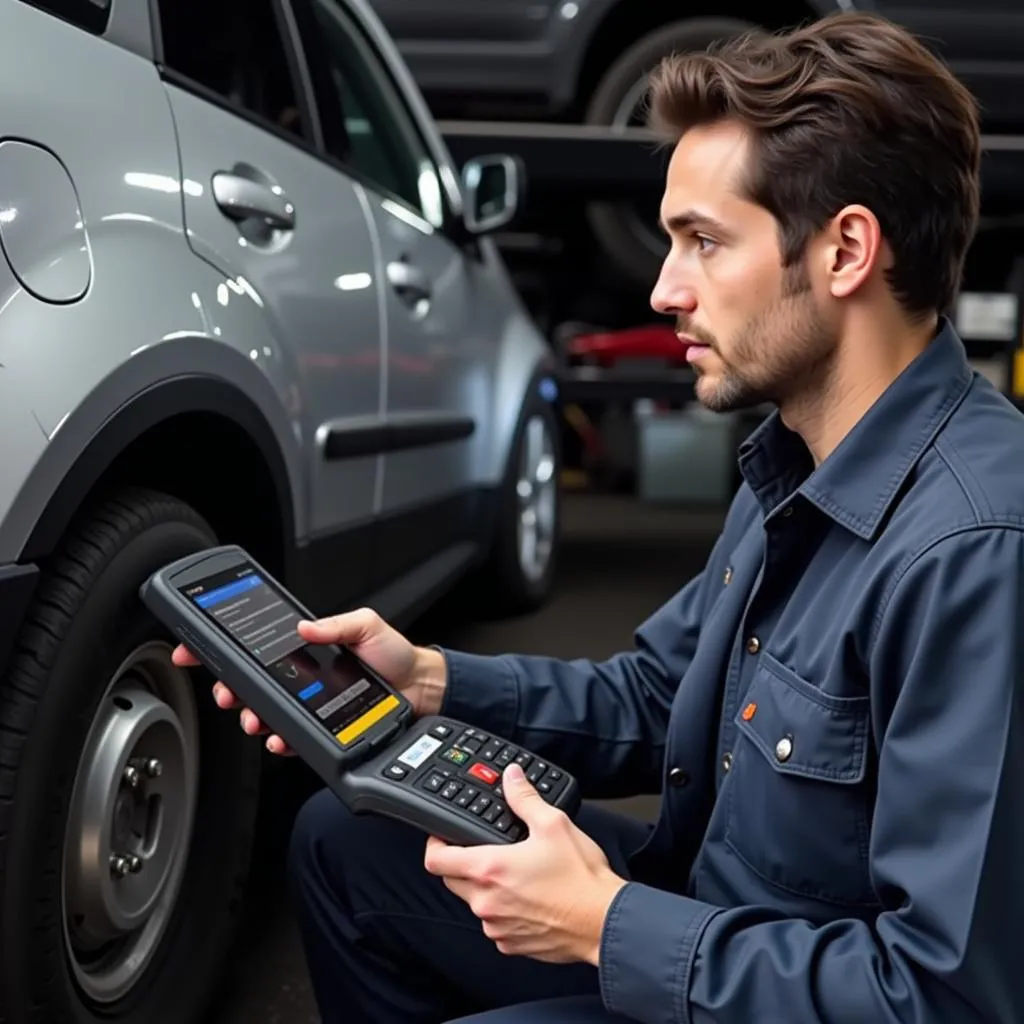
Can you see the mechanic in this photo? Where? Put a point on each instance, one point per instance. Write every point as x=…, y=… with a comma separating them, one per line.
x=832, y=709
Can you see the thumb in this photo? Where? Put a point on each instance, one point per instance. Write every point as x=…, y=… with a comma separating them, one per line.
x=348, y=628
x=521, y=795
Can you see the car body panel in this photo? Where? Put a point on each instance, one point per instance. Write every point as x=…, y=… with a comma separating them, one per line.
x=176, y=311
x=317, y=285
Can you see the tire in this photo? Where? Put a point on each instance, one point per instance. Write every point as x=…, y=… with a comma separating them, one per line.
x=629, y=235
x=507, y=584
x=87, y=622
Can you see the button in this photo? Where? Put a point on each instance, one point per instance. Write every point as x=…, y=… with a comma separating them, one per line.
x=485, y=773
x=784, y=749
x=455, y=755
x=553, y=775
x=505, y=758
x=523, y=759
x=471, y=743
x=504, y=823
x=467, y=796
x=678, y=778
x=727, y=762
x=434, y=782
x=441, y=731
x=395, y=771
x=753, y=645
x=514, y=831
x=727, y=575
x=491, y=749
x=543, y=786
x=494, y=812
x=480, y=804
x=787, y=511
x=536, y=771
x=749, y=711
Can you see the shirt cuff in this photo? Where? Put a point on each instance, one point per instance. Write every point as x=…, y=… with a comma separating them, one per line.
x=648, y=946
x=480, y=690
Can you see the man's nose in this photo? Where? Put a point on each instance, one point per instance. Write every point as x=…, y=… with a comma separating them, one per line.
x=672, y=296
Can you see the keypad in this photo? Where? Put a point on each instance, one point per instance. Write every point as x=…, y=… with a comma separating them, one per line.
x=465, y=769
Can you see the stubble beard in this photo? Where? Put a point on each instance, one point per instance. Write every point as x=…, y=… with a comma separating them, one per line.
x=783, y=351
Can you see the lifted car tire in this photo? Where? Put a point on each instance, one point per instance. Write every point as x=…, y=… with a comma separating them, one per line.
x=116, y=774
x=628, y=234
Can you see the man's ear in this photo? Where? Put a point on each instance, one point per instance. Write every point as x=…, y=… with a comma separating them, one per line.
x=853, y=248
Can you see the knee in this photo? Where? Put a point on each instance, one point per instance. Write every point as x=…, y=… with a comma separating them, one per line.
x=340, y=856
x=321, y=837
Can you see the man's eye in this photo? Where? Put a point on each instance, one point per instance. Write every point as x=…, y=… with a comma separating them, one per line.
x=705, y=244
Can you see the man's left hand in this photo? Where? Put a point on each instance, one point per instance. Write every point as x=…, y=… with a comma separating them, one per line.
x=544, y=897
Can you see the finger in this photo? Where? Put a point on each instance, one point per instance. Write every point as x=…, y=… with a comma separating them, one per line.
x=276, y=745
x=183, y=657
x=223, y=697
x=447, y=861
x=251, y=724
x=522, y=797
x=348, y=628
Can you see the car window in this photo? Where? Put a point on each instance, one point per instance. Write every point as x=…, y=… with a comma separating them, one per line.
x=91, y=15
x=235, y=49
x=376, y=137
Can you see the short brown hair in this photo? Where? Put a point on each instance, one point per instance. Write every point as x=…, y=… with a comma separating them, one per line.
x=847, y=109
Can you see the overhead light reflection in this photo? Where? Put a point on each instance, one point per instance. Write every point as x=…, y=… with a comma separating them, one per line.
x=353, y=282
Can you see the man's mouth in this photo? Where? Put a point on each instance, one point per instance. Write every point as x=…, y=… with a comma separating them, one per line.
x=693, y=349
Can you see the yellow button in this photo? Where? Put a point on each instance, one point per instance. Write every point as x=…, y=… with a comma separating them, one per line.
x=753, y=645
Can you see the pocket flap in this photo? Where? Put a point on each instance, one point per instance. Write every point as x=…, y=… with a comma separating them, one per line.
x=800, y=729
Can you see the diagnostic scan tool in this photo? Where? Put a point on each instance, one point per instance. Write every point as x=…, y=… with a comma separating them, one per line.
x=348, y=724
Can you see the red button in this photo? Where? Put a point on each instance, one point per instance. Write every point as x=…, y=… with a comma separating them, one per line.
x=484, y=774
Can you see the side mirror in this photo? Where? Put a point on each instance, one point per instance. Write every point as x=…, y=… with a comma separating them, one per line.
x=492, y=189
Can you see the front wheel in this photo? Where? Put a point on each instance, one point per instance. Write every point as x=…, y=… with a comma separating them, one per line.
x=127, y=800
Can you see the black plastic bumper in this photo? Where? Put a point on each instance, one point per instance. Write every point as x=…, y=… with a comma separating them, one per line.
x=17, y=585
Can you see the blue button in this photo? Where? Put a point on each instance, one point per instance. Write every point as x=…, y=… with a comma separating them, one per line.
x=311, y=691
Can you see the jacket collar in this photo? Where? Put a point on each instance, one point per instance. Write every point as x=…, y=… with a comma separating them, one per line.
x=857, y=484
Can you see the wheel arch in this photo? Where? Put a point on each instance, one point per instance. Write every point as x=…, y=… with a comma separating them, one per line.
x=160, y=439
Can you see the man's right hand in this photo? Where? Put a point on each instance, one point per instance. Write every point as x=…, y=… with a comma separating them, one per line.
x=418, y=672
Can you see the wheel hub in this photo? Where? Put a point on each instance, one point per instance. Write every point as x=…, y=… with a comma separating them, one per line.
x=536, y=491
x=130, y=823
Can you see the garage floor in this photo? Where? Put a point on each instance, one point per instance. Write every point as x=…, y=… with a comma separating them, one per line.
x=621, y=560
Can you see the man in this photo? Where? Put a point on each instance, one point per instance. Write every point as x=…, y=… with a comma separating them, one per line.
x=832, y=709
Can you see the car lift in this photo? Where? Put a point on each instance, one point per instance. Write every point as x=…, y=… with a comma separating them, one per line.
x=563, y=160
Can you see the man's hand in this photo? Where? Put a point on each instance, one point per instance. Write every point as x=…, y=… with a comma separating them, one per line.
x=545, y=897
x=418, y=672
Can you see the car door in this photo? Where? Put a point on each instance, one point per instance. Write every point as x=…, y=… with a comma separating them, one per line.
x=983, y=43
x=437, y=361
x=292, y=233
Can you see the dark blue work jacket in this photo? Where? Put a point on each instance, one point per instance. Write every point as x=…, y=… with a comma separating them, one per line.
x=832, y=711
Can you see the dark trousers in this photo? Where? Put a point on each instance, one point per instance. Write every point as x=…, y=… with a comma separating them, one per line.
x=387, y=943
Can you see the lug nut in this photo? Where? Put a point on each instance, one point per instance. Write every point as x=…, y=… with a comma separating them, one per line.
x=154, y=769
x=131, y=775
x=119, y=866
x=134, y=863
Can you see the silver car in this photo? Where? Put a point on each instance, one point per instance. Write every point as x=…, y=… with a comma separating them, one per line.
x=244, y=297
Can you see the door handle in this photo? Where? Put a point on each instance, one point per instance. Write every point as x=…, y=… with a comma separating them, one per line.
x=241, y=198
x=409, y=282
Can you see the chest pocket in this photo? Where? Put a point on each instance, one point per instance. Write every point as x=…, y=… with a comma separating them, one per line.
x=798, y=803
